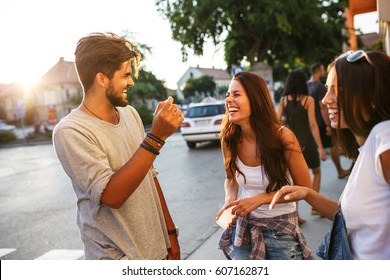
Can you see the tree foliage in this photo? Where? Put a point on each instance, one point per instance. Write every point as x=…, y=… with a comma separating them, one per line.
x=204, y=84
x=274, y=31
x=147, y=86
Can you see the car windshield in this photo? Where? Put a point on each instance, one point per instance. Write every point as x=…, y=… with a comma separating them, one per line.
x=205, y=111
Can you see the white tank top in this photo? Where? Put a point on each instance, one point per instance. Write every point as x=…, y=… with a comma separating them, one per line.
x=256, y=183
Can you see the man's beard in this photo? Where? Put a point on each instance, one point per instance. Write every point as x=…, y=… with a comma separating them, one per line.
x=115, y=99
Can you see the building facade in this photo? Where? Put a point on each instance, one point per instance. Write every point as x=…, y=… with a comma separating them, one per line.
x=220, y=77
x=356, y=7
x=57, y=93
x=12, y=104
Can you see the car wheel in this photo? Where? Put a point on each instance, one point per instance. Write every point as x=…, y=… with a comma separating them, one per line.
x=191, y=145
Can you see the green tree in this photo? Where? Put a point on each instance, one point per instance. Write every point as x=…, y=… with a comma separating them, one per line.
x=189, y=89
x=7, y=136
x=222, y=90
x=147, y=86
x=204, y=84
x=145, y=113
x=274, y=31
x=141, y=48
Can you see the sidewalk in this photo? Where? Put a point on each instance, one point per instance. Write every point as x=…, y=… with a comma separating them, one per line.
x=314, y=229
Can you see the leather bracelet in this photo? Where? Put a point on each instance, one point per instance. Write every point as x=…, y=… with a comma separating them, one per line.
x=154, y=137
x=154, y=143
x=149, y=148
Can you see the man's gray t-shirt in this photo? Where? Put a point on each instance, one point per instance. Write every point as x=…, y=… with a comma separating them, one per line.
x=91, y=151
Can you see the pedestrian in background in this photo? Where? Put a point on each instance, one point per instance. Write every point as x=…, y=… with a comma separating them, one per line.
x=317, y=90
x=260, y=156
x=299, y=111
x=102, y=146
x=358, y=101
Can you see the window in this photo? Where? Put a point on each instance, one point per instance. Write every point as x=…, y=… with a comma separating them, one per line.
x=205, y=111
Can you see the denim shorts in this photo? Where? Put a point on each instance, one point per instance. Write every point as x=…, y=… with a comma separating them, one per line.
x=278, y=245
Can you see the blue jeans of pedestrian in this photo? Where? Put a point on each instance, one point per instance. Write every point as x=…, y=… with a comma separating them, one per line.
x=279, y=246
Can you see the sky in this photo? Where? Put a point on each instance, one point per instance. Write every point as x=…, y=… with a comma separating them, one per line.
x=35, y=34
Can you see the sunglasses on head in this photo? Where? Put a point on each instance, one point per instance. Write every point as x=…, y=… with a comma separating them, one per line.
x=352, y=56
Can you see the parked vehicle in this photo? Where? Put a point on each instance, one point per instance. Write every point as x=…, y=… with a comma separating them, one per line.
x=202, y=122
x=6, y=127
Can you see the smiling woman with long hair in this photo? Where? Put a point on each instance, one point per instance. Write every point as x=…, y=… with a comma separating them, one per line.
x=358, y=101
x=260, y=156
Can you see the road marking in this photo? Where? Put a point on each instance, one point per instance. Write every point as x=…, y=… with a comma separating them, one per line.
x=6, y=251
x=62, y=255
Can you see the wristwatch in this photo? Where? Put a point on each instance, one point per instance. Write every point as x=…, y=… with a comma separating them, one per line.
x=174, y=231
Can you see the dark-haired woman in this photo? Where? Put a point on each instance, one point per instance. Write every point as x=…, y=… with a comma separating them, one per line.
x=299, y=111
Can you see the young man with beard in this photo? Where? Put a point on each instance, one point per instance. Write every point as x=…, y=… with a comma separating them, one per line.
x=103, y=148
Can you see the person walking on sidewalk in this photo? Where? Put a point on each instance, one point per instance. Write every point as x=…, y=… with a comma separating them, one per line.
x=317, y=90
x=102, y=146
x=260, y=156
x=299, y=111
x=358, y=104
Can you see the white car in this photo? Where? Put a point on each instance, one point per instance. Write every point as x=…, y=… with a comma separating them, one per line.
x=6, y=127
x=202, y=122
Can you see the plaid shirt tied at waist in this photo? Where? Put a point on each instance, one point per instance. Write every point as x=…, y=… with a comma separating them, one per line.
x=244, y=235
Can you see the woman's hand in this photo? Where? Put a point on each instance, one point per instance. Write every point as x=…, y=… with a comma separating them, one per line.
x=244, y=206
x=220, y=213
x=289, y=193
x=323, y=155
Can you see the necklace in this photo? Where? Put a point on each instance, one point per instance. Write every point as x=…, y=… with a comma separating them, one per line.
x=116, y=113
